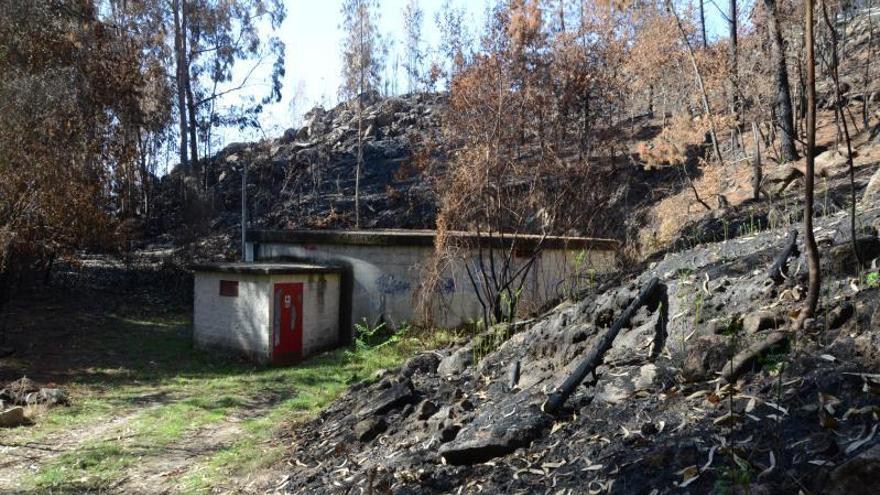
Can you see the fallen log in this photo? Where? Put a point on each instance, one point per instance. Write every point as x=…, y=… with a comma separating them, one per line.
x=592, y=361
x=489, y=436
x=745, y=359
x=779, y=269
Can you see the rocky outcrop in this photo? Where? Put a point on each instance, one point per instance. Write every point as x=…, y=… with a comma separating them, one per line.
x=693, y=383
x=306, y=177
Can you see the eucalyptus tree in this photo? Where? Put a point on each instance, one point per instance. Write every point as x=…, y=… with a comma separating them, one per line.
x=363, y=55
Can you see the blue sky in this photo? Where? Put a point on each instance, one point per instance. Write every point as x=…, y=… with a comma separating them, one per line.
x=312, y=37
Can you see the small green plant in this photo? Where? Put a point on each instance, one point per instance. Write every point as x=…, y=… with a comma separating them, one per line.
x=509, y=304
x=582, y=279
x=489, y=341
x=773, y=362
x=872, y=280
x=740, y=474
x=733, y=328
x=368, y=337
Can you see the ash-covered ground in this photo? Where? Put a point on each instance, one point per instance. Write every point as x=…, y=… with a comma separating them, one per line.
x=705, y=390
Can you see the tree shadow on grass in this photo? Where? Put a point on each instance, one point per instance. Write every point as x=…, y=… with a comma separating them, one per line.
x=68, y=339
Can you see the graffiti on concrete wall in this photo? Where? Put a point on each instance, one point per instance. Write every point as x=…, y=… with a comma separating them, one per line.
x=389, y=284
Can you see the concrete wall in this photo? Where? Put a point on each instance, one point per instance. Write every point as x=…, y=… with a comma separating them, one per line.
x=236, y=324
x=243, y=324
x=386, y=279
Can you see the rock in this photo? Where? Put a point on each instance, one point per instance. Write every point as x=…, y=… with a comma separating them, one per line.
x=513, y=375
x=872, y=191
x=762, y=320
x=448, y=433
x=778, y=180
x=396, y=395
x=424, y=363
x=828, y=161
x=52, y=397
x=439, y=419
x=16, y=392
x=623, y=383
x=612, y=392
x=456, y=363
x=13, y=417
x=839, y=315
x=857, y=476
x=289, y=136
x=841, y=259
x=705, y=357
x=490, y=436
x=368, y=429
x=426, y=409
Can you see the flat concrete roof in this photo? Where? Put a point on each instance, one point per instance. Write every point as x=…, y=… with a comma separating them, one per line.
x=264, y=268
x=424, y=238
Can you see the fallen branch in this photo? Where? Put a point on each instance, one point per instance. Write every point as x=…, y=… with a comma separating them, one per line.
x=589, y=364
x=743, y=361
x=779, y=268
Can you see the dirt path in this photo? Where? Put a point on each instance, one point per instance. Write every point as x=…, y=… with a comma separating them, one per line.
x=155, y=472
x=21, y=458
x=162, y=473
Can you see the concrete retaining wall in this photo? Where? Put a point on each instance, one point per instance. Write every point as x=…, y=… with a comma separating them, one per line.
x=386, y=278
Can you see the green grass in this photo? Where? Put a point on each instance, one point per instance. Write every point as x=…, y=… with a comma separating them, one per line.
x=163, y=390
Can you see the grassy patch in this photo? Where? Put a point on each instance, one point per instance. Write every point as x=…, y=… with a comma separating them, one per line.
x=149, y=391
x=318, y=382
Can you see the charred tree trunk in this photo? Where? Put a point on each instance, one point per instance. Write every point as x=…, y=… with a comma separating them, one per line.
x=783, y=92
x=699, y=76
x=187, y=78
x=839, y=105
x=733, y=74
x=703, y=37
x=244, y=212
x=812, y=250
x=193, y=128
x=757, y=172
x=179, y=58
x=360, y=118
x=649, y=293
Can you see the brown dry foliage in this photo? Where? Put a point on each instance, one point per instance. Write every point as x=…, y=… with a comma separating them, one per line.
x=513, y=112
x=72, y=91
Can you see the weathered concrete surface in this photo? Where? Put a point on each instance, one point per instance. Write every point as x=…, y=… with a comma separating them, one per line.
x=388, y=276
x=243, y=324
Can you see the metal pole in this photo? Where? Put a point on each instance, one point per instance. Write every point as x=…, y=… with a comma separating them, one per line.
x=244, y=171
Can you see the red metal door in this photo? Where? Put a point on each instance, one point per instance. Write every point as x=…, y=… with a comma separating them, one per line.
x=287, y=324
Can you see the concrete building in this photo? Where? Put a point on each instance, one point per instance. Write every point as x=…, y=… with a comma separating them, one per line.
x=273, y=313
x=382, y=272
